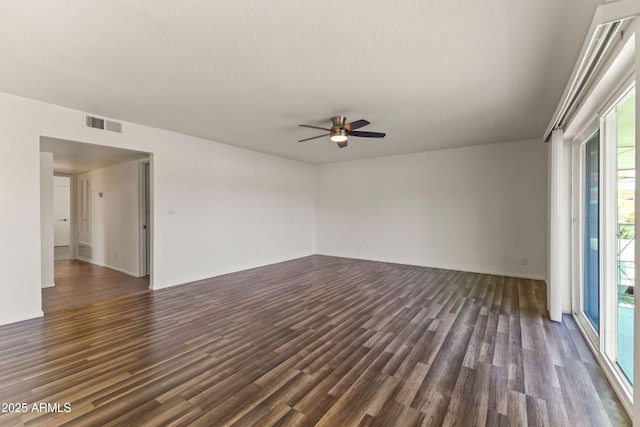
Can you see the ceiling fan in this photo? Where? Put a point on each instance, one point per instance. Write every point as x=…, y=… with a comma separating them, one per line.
x=341, y=130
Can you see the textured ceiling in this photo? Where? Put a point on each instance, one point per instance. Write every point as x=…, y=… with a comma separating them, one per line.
x=432, y=74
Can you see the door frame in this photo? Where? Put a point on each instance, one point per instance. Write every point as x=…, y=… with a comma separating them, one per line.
x=578, y=151
x=145, y=252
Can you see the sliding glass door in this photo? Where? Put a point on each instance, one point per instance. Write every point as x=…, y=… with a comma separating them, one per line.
x=605, y=235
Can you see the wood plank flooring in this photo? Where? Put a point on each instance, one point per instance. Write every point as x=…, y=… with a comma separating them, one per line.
x=316, y=341
x=80, y=283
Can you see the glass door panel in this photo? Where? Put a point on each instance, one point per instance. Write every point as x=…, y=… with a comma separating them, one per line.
x=591, y=238
x=626, y=185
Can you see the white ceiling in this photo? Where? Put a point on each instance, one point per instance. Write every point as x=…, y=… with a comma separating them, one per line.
x=432, y=74
x=73, y=158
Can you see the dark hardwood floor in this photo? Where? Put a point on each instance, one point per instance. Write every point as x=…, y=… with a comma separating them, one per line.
x=80, y=283
x=319, y=340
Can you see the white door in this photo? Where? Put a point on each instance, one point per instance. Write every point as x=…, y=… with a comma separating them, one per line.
x=62, y=210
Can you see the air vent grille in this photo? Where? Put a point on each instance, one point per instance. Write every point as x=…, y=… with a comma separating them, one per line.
x=95, y=122
x=103, y=124
x=114, y=126
x=85, y=252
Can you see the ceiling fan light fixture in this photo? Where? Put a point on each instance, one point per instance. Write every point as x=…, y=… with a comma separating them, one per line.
x=339, y=136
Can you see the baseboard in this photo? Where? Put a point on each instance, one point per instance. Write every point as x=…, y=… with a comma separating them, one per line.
x=129, y=273
x=237, y=269
x=10, y=320
x=491, y=272
x=121, y=270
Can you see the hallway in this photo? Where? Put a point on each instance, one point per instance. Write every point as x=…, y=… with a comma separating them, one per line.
x=80, y=283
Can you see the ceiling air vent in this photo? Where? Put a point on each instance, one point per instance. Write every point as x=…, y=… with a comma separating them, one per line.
x=103, y=124
x=114, y=126
x=95, y=122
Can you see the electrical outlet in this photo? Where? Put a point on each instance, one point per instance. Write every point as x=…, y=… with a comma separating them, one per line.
x=525, y=261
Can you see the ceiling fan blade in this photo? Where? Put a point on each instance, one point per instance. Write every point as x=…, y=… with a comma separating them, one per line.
x=367, y=134
x=314, y=127
x=357, y=124
x=313, y=137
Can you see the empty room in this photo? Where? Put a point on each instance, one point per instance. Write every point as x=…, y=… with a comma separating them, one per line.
x=319, y=213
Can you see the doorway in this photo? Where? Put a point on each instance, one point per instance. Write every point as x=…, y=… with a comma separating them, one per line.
x=101, y=227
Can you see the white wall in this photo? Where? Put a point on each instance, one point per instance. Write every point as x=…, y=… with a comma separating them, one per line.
x=46, y=219
x=20, y=228
x=235, y=209
x=480, y=209
x=115, y=217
